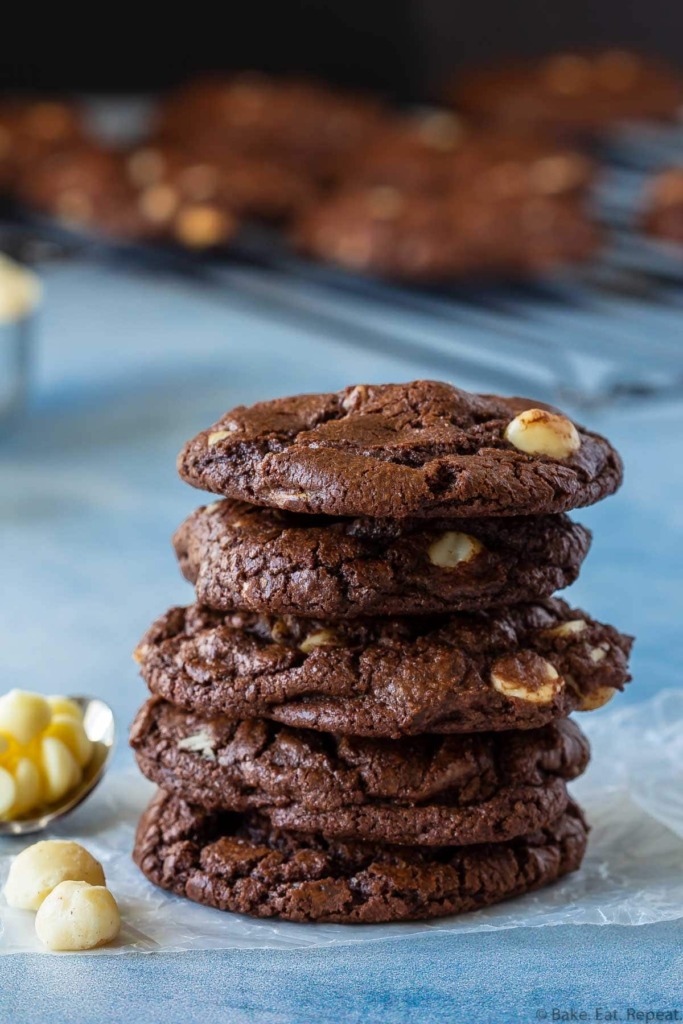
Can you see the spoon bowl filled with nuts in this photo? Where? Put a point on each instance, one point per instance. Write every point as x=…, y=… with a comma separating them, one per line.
x=53, y=753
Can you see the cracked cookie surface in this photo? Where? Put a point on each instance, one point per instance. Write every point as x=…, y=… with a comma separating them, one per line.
x=515, y=668
x=240, y=863
x=426, y=791
x=424, y=449
x=240, y=556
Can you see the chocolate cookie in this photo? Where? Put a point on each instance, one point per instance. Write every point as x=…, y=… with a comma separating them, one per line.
x=423, y=449
x=242, y=864
x=517, y=668
x=244, y=557
x=431, y=791
x=304, y=124
x=663, y=215
x=207, y=174
x=427, y=239
x=32, y=128
x=570, y=93
x=437, y=154
x=88, y=188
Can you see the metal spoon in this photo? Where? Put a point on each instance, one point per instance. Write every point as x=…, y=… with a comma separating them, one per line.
x=98, y=722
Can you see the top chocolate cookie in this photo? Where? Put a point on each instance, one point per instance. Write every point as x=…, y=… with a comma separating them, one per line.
x=423, y=449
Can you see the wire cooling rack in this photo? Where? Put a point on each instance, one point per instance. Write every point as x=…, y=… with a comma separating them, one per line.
x=609, y=331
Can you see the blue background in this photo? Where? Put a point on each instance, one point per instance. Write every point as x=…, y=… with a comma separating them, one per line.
x=130, y=366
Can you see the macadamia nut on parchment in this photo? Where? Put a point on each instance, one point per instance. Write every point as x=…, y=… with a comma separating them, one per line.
x=77, y=916
x=38, y=869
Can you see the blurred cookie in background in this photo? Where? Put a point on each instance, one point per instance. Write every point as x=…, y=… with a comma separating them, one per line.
x=89, y=189
x=414, y=237
x=663, y=214
x=437, y=152
x=247, y=186
x=570, y=93
x=32, y=128
x=304, y=124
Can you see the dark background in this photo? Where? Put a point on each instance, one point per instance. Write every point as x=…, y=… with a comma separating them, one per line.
x=404, y=48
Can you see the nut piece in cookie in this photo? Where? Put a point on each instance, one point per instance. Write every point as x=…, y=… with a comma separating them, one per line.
x=452, y=548
x=540, y=432
x=527, y=677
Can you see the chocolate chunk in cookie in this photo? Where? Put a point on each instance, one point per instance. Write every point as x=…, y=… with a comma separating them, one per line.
x=244, y=557
x=570, y=93
x=423, y=449
x=240, y=863
x=429, y=791
x=516, y=668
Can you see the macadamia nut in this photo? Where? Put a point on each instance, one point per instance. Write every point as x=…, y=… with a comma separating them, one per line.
x=77, y=915
x=540, y=432
x=24, y=715
x=452, y=548
x=39, y=868
x=324, y=638
x=527, y=677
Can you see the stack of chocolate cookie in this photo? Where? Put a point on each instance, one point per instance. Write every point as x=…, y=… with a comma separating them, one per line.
x=364, y=716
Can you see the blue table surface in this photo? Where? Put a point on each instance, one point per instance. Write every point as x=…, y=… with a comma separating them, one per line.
x=129, y=366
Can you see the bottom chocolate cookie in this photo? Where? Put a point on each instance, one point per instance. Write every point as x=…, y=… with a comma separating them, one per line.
x=240, y=863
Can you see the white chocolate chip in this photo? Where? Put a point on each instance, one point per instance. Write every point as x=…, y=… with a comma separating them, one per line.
x=527, y=677
x=76, y=916
x=36, y=871
x=572, y=627
x=452, y=548
x=539, y=432
x=324, y=638
x=201, y=743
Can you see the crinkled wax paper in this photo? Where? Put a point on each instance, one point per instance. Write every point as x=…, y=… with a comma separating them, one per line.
x=632, y=874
